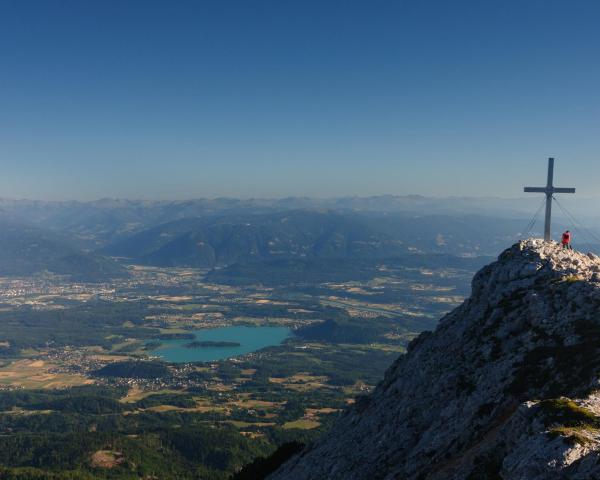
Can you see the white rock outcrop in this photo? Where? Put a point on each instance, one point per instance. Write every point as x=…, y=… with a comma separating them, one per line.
x=505, y=388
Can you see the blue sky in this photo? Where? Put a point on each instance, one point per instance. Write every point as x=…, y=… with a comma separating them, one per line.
x=149, y=99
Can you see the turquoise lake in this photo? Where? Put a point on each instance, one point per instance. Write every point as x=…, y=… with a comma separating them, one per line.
x=249, y=338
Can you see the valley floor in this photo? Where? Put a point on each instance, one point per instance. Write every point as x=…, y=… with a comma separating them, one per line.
x=56, y=335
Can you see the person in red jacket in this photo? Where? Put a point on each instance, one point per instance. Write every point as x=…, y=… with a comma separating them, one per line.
x=566, y=240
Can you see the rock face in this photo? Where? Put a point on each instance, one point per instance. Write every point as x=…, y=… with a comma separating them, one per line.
x=507, y=387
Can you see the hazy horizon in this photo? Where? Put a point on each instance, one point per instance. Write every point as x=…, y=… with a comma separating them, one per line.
x=516, y=198
x=505, y=207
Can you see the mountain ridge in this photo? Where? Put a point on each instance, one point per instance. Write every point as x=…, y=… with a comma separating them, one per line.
x=223, y=240
x=505, y=388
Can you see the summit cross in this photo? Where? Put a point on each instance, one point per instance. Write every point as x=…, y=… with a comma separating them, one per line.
x=549, y=190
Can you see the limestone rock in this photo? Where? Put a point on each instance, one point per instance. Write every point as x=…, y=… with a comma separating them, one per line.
x=506, y=386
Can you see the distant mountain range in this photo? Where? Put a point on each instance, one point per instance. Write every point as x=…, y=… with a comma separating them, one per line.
x=99, y=223
x=78, y=237
x=306, y=234
x=229, y=239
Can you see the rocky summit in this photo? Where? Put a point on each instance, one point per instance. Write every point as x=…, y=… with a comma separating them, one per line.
x=507, y=387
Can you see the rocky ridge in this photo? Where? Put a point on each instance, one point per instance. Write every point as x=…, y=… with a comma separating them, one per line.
x=507, y=387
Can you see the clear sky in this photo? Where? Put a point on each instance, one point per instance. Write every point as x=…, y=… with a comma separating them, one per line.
x=178, y=99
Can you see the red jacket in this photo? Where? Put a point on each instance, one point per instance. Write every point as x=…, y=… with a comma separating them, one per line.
x=566, y=238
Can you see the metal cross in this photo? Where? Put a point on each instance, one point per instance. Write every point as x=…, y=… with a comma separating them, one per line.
x=549, y=190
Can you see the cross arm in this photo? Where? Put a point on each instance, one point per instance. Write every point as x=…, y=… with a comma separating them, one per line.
x=564, y=190
x=535, y=189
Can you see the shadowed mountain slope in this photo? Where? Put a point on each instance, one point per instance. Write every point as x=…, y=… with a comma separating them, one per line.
x=26, y=250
